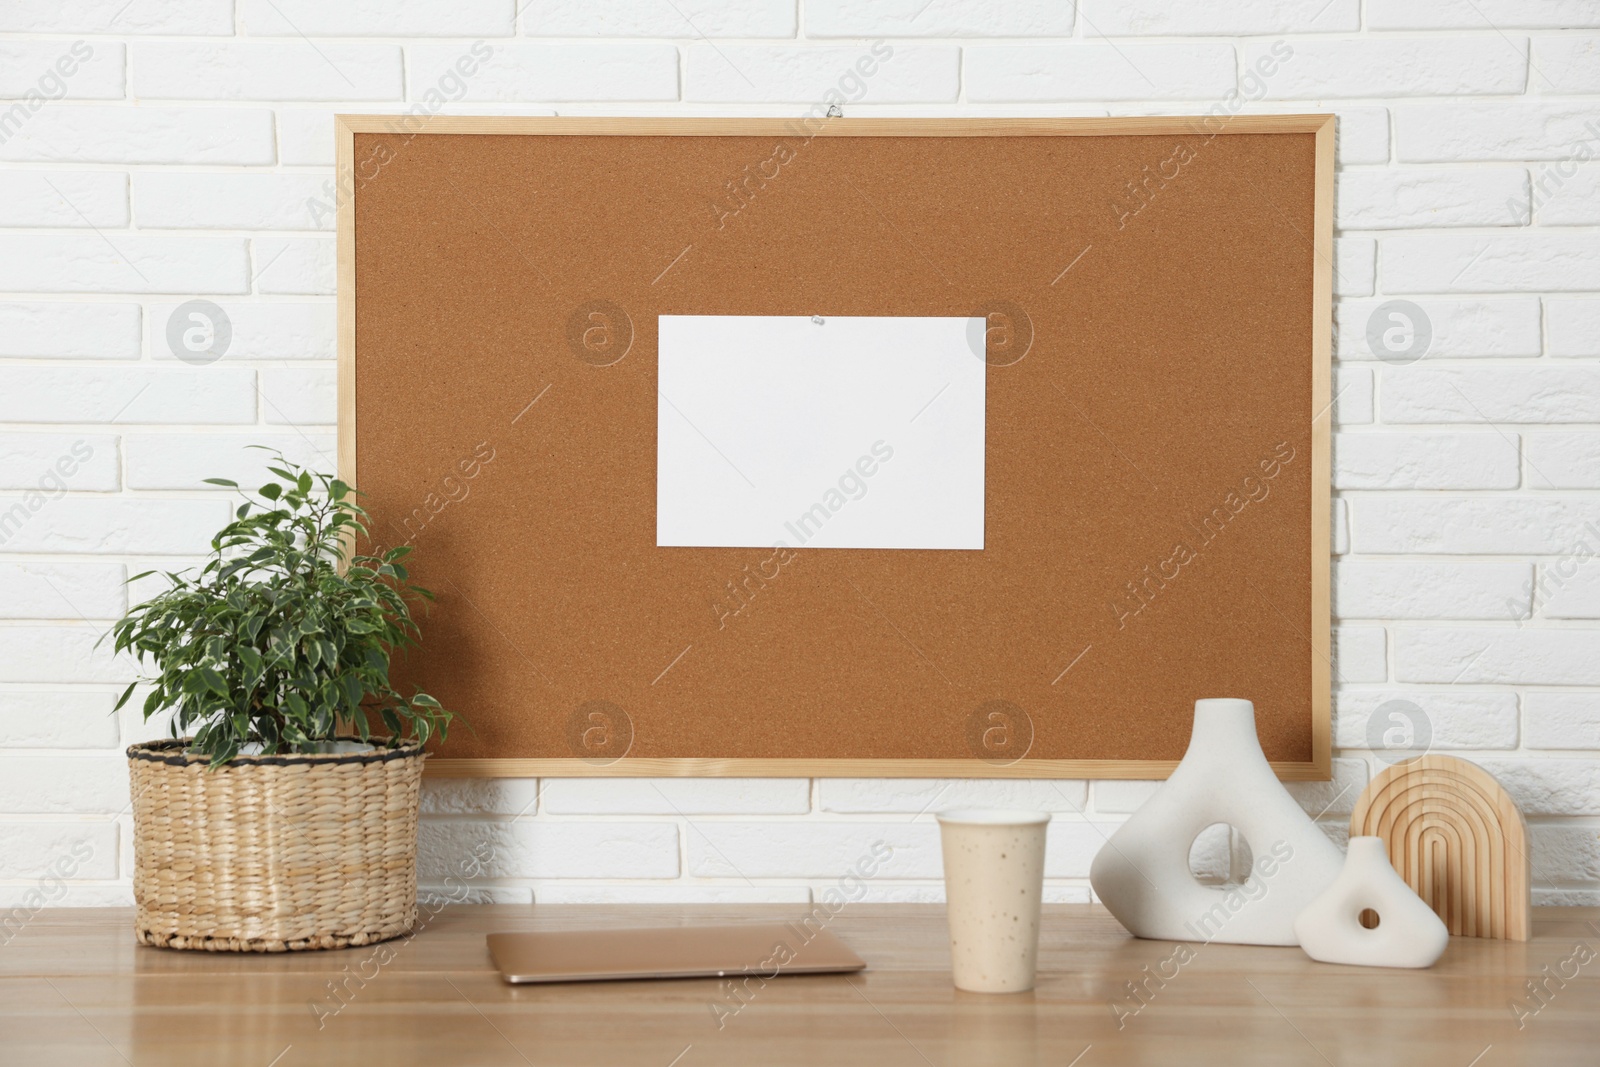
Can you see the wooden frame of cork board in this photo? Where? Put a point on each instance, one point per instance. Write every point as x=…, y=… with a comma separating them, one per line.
x=1158, y=299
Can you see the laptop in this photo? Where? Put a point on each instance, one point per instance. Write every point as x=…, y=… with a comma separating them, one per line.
x=767, y=950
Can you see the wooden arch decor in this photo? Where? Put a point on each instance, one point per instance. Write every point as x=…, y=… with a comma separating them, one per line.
x=1457, y=838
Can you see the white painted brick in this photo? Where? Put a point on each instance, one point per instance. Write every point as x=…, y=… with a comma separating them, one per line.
x=479, y=796
x=299, y=396
x=62, y=591
x=294, y=266
x=527, y=70
x=1122, y=797
x=670, y=893
x=893, y=893
x=213, y=17
x=185, y=459
x=1372, y=589
x=1426, y=461
x=1361, y=135
x=1498, y=656
x=1360, y=654
x=1563, y=460
x=1352, y=399
x=1335, y=797
x=1570, y=589
x=69, y=331
x=1452, y=719
x=48, y=785
x=938, y=18
x=1355, y=266
x=258, y=330
x=1574, y=326
x=305, y=138
x=74, y=263
x=1563, y=898
x=1566, y=64
x=930, y=795
x=1549, y=786
x=824, y=74
x=1561, y=720
x=676, y=796
x=458, y=891
x=1566, y=853
x=1072, y=844
x=811, y=849
x=76, y=523
x=377, y=18
x=1531, y=394
x=1489, y=263
x=134, y=727
x=82, y=462
x=1067, y=894
x=85, y=848
x=1466, y=326
x=1434, y=133
x=1479, y=14
x=1388, y=199
x=1424, y=505
x=63, y=198
x=91, y=134
x=1127, y=18
x=682, y=18
x=228, y=201
x=62, y=70
x=84, y=894
x=1567, y=193
x=1099, y=71
x=305, y=135
x=528, y=848
x=57, y=719
x=1475, y=523
x=263, y=70
x=1389, y=66
x=127, y=394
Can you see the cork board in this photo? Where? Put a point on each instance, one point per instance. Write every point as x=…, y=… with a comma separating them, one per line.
x=1157, y=294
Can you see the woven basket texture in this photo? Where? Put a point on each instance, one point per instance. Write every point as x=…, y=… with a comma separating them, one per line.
x=274, y=853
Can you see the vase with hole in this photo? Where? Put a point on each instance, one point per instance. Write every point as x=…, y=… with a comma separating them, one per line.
x=1369, y=916
x=1142, y=872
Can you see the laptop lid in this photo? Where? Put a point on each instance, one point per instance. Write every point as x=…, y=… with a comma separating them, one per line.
x=765, y=949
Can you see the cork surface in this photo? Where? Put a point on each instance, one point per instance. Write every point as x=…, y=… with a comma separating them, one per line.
x=1165, y=334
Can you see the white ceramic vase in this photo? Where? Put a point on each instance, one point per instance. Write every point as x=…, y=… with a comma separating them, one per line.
x=1407, y=934
x=1142, y=873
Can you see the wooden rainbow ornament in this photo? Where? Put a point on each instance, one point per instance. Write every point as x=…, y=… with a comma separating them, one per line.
x=1457, y=838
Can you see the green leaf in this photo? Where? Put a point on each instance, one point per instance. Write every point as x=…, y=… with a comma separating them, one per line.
x=272, y=491
x=213, y=681
x=229, y=483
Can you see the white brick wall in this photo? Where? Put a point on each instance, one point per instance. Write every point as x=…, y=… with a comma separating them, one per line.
x=175, y=161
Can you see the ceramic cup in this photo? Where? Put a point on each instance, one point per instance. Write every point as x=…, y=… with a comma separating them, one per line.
x=993, y=881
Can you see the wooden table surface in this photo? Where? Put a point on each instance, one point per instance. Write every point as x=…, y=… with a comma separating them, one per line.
x=75, y=989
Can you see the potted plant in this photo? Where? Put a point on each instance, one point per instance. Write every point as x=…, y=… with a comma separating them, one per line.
x=284, y=814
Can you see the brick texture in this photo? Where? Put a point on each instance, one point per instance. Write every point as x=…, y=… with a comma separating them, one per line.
x=186, y=153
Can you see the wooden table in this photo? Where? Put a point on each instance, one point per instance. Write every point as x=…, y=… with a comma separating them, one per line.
x=75, y=989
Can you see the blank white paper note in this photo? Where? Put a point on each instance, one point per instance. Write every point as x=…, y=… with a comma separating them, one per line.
x=848, y=432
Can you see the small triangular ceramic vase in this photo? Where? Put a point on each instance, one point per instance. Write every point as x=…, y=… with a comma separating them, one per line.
x=1407, y=933
x=1142, y=873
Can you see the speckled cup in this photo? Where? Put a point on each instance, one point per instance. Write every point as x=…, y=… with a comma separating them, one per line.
x=993, y=881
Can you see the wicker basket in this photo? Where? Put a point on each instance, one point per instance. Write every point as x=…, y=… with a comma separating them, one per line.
x=274, y=853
